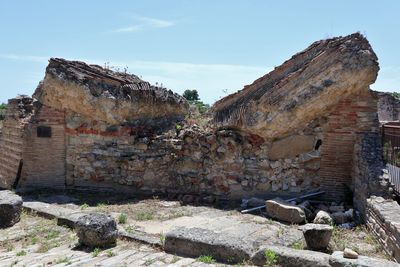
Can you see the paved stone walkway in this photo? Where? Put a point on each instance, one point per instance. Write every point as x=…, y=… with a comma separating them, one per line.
x=122, y=255
x=196, y=231
x=37, y=241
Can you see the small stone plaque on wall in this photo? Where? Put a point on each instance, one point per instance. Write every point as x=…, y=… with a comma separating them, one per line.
x=44, y=131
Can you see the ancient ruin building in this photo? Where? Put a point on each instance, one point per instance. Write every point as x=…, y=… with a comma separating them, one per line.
x=300, y=128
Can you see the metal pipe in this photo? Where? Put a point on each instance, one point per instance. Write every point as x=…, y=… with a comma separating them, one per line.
x=290, y=199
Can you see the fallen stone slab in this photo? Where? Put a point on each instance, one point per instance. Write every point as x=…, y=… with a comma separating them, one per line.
x=10, y=208
x=141, y=237
x=64, y=216
x=283, y=211
x=194, y=242
x=46, y=210
x=317, y=236
x=69, y=219
x=96, y=230
x=290, y=257
x=337, y=260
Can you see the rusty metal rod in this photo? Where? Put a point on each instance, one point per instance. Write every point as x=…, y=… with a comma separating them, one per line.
x=290, y=199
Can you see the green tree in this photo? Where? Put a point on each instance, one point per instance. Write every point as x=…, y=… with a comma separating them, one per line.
x=396, y=95
x=191, y=95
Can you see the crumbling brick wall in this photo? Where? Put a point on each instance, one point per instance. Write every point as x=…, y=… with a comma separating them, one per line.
x=12, y=139
x=44, y=149
x=39, y=161
x=351, y=117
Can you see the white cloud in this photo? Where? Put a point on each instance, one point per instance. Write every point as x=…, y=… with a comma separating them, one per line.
x=156, y=23
x=25, y=58
x=144, y=23
x=129, y=29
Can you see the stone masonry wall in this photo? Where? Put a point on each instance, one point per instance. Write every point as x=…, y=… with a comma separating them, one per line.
x=388, y=107
x=44, y=157
x=370, y=176
x=224, y=162
x=383, y=218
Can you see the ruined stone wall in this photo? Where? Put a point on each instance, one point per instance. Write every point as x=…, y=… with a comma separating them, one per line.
x=370, y=176
x=388, y=107
x=44, y=153
x=383, y=217
x=224, y=162
x=11, y=138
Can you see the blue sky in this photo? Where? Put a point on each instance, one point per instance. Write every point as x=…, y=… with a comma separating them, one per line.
x=213, y=46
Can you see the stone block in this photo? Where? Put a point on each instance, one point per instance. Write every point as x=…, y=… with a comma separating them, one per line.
x=290, y=257
x=96, y=230
x=10, y=208
x=291, y=146
x=283, y=211
x=337, y=260
x=317, y=236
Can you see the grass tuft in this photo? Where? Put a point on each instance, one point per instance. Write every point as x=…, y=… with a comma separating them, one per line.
x=206, y=259
x=122, y=218
x=271, y=259
x=21, y=253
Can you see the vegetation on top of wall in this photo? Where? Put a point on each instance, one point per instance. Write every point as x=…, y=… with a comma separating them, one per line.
x=396, y=95
x=192, y=96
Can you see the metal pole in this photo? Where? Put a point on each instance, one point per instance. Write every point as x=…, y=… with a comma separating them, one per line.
x=290, y=199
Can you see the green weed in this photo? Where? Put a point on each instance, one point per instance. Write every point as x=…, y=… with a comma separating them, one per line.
x=206, y=259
